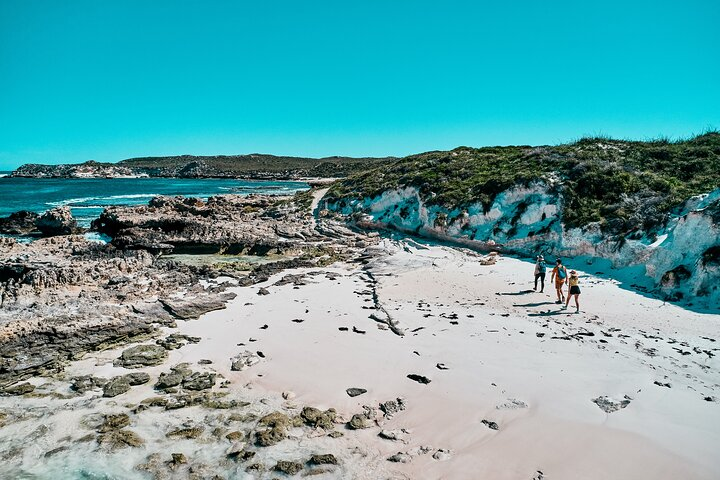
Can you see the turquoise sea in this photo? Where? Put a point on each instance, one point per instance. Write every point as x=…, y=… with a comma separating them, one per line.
x=87, y=197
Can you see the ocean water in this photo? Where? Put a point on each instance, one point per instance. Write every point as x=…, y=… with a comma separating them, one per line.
x=87, y=197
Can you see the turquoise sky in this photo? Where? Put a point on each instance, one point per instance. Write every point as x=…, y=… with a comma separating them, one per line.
x=109, y=80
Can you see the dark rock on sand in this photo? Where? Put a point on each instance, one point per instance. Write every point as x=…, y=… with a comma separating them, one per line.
x=118, y=439
x=610, y=405
x=199, y=381
x=362, y=420
x=354, y=392
x=287, y=467
x=187, y=432
x=323, y=459
x=191, y=308
x=317, y=418
x=19, y=389
x=392, y=407
x=277, y=424
x=114, y=422
x=244, y=360
x=141, y=356
x=491, y=425
x=116, y=386
x=419, y=378
x=176, y=340
x=85, y=383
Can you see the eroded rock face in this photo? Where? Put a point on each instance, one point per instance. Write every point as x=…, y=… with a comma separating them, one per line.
x=18, y=223
x=58, y=221
x=63, y=296
x=254, y=224
x=59, y=298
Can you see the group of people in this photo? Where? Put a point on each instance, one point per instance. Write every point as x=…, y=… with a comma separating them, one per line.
x=560, y=277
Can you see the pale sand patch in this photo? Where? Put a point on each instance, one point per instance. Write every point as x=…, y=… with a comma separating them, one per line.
x=663, y=433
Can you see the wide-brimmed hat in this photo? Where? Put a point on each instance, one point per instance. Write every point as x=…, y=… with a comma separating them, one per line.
x=573, y=272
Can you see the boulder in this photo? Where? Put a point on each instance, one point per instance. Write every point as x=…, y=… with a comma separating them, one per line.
x=116, y=386
x=19, y=389
x=287, y=467
x=58, y=221
x=323, y=459
x=141, y=356
x=18, y=223
x=114, y=422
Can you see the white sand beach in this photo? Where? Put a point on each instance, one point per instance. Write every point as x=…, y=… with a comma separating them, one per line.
x=493, y=350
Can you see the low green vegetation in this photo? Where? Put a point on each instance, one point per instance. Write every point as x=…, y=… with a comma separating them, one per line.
x=253, y=164
x=625, y=185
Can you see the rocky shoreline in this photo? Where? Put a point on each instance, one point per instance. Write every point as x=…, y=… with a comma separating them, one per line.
x=323, y=360
x=65, y=295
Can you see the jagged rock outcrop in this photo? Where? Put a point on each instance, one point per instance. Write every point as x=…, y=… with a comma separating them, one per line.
x=234, y=224
x=63, y=296
x=58, y=221
x=18, y=223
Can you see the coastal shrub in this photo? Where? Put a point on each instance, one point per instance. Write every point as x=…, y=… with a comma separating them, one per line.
x=624, y=185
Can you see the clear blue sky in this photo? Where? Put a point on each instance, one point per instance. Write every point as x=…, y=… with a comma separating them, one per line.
x=108, y=80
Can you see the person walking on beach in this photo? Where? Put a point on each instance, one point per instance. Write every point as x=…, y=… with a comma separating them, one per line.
x=540, y=273
x=559, y=276
x=574, y=290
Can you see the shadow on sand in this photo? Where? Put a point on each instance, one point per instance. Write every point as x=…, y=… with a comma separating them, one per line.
x=538, y=304
x=521, y=292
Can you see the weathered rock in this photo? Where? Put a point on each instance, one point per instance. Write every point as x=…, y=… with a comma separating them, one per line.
x=354, y=392
x=317, y=418
x=114, y=422
x=392, y=407
x=400, y=457
x=244, y=360
x=116, y=386
x=173, y=378
x=288, y=467
x=419, y=378
x=235, y=436
x=118, y=439
x=399, y=435
x=187, y=432
x=363, y=420
x=85, y=383
x=19, y=389
x=58, y=221
x=199, y=381
x=278, y=424
x=137, y=378
x=18, y=223
x=141, y=356
x=323, y=459
x=192, y=307
x=490, y=425
x=610, y=405
x=176, y=340
x=178, y=459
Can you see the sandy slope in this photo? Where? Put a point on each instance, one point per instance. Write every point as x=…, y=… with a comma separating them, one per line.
x=501, y=348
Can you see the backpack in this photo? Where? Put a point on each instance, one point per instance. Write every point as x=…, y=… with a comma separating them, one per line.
x=562, y=272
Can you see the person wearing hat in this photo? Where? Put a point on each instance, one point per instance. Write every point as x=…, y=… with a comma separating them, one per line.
x=574, y=290
x=540, y=270
x=559, y=276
